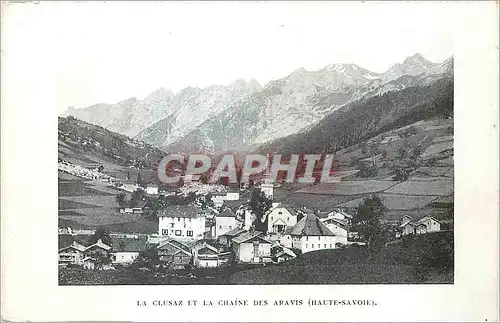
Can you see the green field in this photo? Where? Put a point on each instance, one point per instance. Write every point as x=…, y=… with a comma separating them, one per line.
x=86, y=204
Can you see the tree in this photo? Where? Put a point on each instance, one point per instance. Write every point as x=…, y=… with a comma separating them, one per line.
x=260, y=204
x=401, y=153
x=120, y=199
x=148, y=258
x=103, y=234
x=415, y=153
x=401, y=174
x=100, y=168
x=207, y=202
x=137, y=195
x=100, y=257
x=368, y=170
x=367, y=219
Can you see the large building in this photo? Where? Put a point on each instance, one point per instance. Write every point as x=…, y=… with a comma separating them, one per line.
x=225, y=221
x=280, y=217
x=182, y=222
x=310, y=234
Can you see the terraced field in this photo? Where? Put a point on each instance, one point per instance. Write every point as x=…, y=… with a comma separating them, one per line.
x=429, y=184
x=85, y=204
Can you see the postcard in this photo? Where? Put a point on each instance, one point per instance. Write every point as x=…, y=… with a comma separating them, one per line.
x=250, y=161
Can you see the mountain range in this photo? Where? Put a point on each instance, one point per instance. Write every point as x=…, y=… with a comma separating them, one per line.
x=245, y=115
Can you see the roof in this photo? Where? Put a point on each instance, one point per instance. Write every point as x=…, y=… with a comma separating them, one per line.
x=179, y=211
x=246, y=236
x=407, y=223
x=138, y=204
x=232, y=233
x=427, y=217
x=347, y=215
x=337, y=222
x=226, y=213
x=310, y=225
x=66, y=240
x=179, y=245
x=100, y=244
x=282, y=205
x=74, y=245
x=128, y=244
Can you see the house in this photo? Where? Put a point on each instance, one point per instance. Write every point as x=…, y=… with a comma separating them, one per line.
x=431, y=225
x=422, y=226
x=251, y=247
x=407, y=228
x=182, y=222
x=191, y=178
x=225, y=221
x=232, y=194
x=338, y=228
x=129, y=186
x=280, y=253
x=390, y=139
x=280, y=217
x=210, y=254
x=174, y=254
x=125, y=250
x=72, y=254
x=226, y=238
x=267, y=189
x=405, y=218
x=134, y=207
x=310, y=234
x=97, y=256
x=152, y=189
x=339, y=214
x=249, y=218
x=218, y=199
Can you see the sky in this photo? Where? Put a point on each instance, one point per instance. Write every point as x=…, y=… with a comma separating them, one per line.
x=105, y=52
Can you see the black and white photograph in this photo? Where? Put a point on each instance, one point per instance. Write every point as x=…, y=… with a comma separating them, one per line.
x=293, y=151
x=249, y=161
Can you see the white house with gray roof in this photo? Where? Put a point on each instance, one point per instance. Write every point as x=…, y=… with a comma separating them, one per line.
x=310, y=234
x=182, y=222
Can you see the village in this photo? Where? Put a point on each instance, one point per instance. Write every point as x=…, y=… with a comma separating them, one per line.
x=214, y=226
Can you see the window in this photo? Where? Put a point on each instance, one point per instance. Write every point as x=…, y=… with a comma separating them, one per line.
x=220, y=226
x=178, y=219
x=271, y=217
x=230, y=227
x=330, y=245
x=189, y=219
x=307, y=238
x=189, y=233
x=312, y=246
x=306, y=245
x=172, y=225
x=280, y=213
x=178, y=232
x=325, y=245
x=287, y=218
x=164, y=232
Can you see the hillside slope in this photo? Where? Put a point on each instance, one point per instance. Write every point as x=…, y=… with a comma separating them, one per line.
x=88, y=145
x=366, y=118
